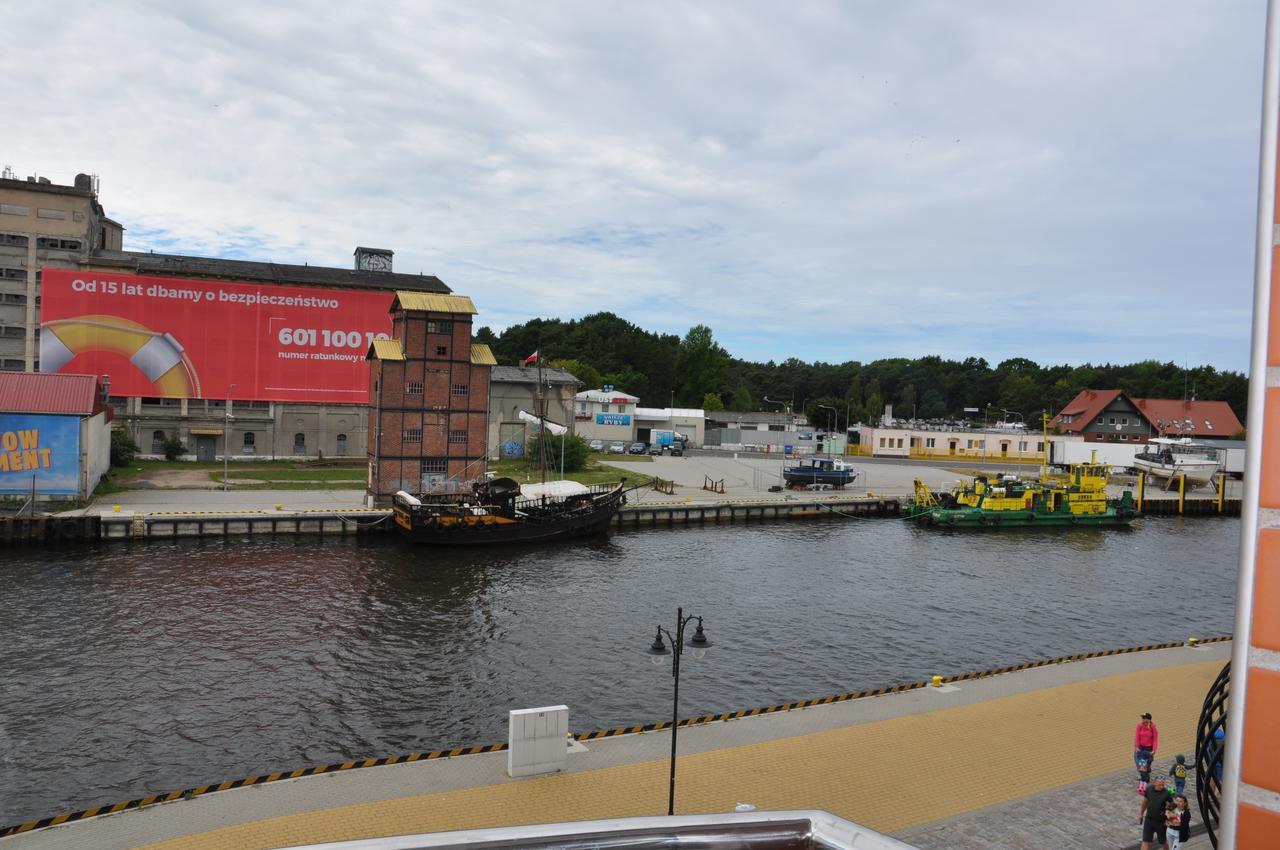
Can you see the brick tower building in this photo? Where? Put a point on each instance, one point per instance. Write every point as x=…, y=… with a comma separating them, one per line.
x=429, y=396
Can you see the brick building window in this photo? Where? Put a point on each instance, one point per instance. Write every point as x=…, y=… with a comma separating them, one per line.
x=413, y=388
x=413, y=435
x=458, y=389
x=442, y=351
x=435, y=466
x=440, y=327
x=456, y=437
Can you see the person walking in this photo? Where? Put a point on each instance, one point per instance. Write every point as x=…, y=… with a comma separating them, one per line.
x=1177, y=823
x=1146, y=740
x=1152, y=815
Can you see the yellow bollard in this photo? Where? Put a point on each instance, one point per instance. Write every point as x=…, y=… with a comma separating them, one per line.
x=937, y=681
x=1142, y=481
x=1222, y=488
x=1193, y=641
x=115, y=508
x=1182, y=492
x=279, y=507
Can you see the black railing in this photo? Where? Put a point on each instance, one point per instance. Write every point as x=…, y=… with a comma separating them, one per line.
x=1210, y=741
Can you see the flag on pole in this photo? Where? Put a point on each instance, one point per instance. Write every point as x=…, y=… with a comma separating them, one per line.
x=532, y=358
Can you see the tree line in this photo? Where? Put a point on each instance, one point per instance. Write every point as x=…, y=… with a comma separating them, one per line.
x=696, y=371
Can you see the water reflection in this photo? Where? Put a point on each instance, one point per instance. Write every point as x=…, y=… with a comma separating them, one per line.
x=135, y=669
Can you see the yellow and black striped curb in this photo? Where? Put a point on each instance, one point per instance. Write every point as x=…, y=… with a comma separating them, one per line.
x=206, y=513
x=355, y=764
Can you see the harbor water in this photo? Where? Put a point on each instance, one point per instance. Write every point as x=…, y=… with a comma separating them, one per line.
x=137, y=669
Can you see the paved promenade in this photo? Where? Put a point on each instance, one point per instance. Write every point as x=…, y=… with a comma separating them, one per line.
x=929, y=764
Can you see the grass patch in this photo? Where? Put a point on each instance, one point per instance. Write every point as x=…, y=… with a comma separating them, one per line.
x=357, y=474
x=595, y=473
x=622, y=458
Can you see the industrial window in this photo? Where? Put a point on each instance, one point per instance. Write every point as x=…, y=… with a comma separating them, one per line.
x=248, y=443
x=456, y=437
x=435, y=466
x=342, y=444
x=458, y=389
x=882, y=442
x=413, y=388
x=440, y=327
x=12, y=365
x=299, y=444
x=13, y=274
x=14, y=298
x=899, y=442
x=13, y=239
x=15, y=330
x=413, y=435
x=442, y=351
x=157, y=442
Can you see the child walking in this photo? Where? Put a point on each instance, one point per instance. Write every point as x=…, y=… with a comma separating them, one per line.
x=1178, y=773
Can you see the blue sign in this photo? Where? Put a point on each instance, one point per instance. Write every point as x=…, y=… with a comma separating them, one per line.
x=46, y=447
x=613, y=418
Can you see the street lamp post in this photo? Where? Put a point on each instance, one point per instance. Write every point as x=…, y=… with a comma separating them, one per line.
x=226, y=439
x=658, y=650
x=831, y=428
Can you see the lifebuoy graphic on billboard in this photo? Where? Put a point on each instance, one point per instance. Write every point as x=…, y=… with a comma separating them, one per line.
x=177, y=338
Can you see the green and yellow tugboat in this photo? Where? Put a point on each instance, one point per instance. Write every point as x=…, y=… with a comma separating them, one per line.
x=1078, y=498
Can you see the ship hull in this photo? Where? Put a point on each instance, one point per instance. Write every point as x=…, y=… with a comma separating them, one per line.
x=425, y=526
x=979, y=519
x=1197, y=473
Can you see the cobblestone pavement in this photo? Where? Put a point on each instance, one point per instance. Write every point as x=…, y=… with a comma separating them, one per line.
x=1098, y=813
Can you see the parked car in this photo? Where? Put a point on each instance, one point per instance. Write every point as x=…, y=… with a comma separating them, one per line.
x=676, y=449
x=636, y=449
x=655, y=449
x=596, y=445
x=617, y=448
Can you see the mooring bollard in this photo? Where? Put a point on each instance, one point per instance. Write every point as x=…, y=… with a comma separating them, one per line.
x=937, y=681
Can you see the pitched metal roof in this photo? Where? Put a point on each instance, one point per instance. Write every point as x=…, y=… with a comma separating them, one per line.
x=385, y=349
x=430, y=302
x=1190, y=418
x=482, y=355
x=40, y=392
x=138, y=262
x=529, y=375
x=1083, y=409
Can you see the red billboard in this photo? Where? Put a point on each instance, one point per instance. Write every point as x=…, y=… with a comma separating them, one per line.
x=179, y=338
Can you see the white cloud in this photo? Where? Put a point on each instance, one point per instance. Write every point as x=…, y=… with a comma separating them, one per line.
x=906, y=176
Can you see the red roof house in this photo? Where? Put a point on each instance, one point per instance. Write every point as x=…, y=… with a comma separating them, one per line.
x=43, y=392
x=1112, y=414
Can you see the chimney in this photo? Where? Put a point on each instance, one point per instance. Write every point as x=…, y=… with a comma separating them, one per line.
x=373, y=259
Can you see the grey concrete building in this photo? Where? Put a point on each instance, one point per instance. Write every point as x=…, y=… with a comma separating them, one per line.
x=513, y=390
x=47, y=225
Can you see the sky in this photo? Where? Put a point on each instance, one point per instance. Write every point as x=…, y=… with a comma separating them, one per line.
x=824, y=180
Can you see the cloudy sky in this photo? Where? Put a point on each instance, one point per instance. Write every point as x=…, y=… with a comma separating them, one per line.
x=1061, y=181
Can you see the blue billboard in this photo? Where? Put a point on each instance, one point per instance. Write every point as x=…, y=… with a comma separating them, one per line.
x=44, y=447
x=613, y=418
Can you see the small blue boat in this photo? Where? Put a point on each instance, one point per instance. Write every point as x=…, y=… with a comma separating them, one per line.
x=819, y=470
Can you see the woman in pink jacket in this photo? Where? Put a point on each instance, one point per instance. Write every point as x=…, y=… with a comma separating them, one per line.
x=1146, y=740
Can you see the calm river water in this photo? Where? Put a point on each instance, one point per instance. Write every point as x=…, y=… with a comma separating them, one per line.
x=136, y=669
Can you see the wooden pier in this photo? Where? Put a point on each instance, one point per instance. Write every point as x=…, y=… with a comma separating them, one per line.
x=650, y=514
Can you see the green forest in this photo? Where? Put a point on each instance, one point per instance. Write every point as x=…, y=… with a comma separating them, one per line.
x=696, y=371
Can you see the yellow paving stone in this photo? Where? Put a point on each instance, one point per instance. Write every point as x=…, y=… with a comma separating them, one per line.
x=888, y=775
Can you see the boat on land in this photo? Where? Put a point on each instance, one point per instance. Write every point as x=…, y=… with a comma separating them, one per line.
x=819, y=470
x=1078, y=498
x=501, y=511
x=1169, y=458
